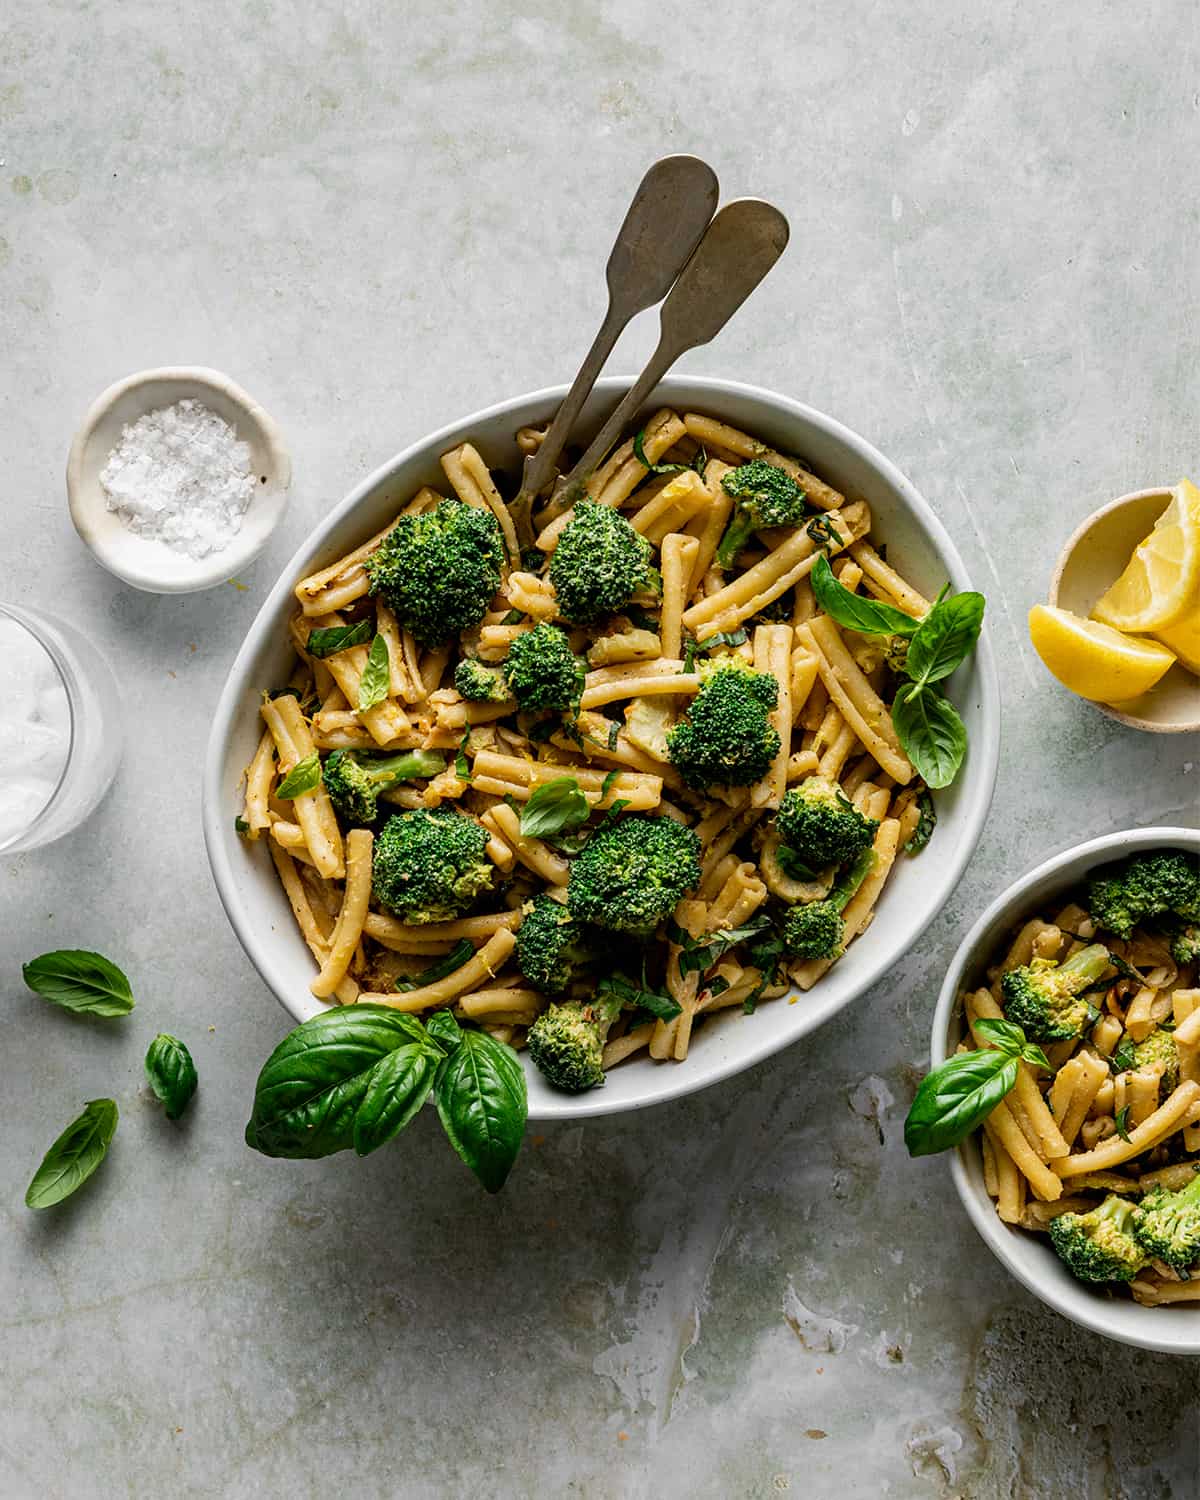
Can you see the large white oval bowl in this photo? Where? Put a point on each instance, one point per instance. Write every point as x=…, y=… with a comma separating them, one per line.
x=1170, y=1329
x=916, y=543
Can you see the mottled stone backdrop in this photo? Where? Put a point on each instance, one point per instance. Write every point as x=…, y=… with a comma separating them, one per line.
x=377, y=217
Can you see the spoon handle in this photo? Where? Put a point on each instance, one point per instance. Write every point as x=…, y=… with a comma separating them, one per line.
x=669, y=213
x=740, y=246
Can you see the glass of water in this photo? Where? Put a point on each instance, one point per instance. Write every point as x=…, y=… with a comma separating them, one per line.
x=60, y=728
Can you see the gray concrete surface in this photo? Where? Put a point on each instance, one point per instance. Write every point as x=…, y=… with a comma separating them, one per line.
x=378, y=217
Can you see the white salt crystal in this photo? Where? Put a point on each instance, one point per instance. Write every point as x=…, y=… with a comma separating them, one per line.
x=180, y=476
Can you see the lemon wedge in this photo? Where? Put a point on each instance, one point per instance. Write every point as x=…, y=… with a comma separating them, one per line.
x=1183, y=637
x=1094, y=660
x=1162, y=580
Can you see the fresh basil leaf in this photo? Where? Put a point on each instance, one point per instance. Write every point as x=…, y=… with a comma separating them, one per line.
x=822, y=531
x=396, y=1089
x=554, y=808
x=638, y=997
x=333, y=638
x=458, y=955
x=74, y=1156
x=856, y=611
x=956, y=1097
x=462, y=766
x=172, y=1074
x=1121, y=1121
x=944, y=638
x=86, y=983
x=304, y=776
x=482, y=1104
x=1124, y=1058
x=444, y=1030
x=926, y=823
x=932, y=734
x=639, y=452
x=312, y=1085
x=1006, y=1035
x=1034, y=1056
x=377, y=676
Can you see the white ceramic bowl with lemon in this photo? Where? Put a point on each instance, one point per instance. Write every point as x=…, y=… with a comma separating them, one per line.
x=1122, y=627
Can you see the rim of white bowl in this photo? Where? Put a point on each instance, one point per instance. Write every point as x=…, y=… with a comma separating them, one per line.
x=1073, y=1300
x=245, y=546
x=982, y=764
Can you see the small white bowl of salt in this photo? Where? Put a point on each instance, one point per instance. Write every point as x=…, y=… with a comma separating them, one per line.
x=176, y=479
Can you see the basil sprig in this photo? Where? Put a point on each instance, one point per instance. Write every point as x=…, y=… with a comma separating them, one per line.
x=353, y=1078
x=304, y=776
x=333, y=638
x=86, y=983
x=376, y=677
x=556, y=807
x=927, y=724
x=171, y=1073
x=961, y=1092
x=74, y=1156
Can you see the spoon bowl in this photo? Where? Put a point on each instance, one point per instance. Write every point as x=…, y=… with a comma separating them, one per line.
x=1092, y=559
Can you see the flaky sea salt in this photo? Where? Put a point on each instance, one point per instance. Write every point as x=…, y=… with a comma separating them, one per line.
x=180, y=476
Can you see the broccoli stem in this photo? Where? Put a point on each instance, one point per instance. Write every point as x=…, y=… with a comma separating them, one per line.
x=1087, y=965
x=737, y=534
x=403, y=767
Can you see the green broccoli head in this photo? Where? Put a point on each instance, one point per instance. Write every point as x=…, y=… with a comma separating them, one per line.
x=354, y=781
x=816, y=929
x=430, y=864
x=1099, y=1245
x=553, y=949
x=1159, y=1049
x=819, y=824
x=1165, y=883
x=1047, y=998
x=599, y=564
x=566, y=1042
x=765, y=496
x=632, y=873
x=726, y=738
x=542, y=671
x=438, y=570
x=1168, y=1225
x=479, y=683
x=1185, y=944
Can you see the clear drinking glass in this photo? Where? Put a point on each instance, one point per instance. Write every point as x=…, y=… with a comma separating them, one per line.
x=60, y=728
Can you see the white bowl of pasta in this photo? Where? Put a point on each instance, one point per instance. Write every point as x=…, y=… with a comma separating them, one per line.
x=1124, y=1124
x=663, y=1059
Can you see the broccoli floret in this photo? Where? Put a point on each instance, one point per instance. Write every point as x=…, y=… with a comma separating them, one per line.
x=479, y=683
x=1099, y=1245
x=430, y=864
x=542, y=670
x=816, y=929
x=1159, y=1047
x=631, y=875
x=726, y=739
x=1149, y=885
x=599, y=564
x=765, y=497
x=1168, y=1225
x=438, y=570
x=821, y=826
x=354, y=781
x=566, y=1042
x=552, y=947
x=1046, y=998
x=1185, y=944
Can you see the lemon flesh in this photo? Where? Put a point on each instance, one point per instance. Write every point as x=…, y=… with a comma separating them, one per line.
x=1094, y=660
x=1183, y=637
x=1161, y=583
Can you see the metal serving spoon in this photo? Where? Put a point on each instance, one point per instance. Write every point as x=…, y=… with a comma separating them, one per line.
x=669, y=213
x=739, y=247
